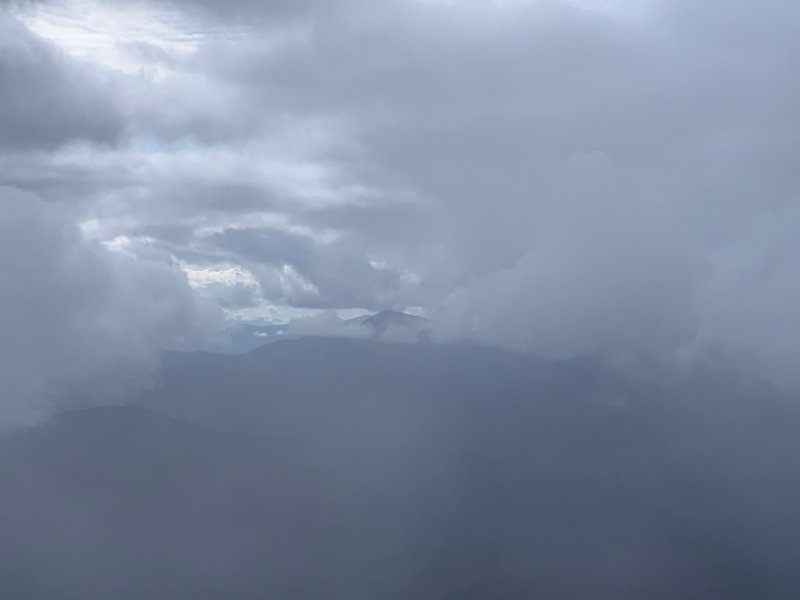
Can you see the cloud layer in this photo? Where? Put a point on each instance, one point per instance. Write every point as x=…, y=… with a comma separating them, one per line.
x=546, y=175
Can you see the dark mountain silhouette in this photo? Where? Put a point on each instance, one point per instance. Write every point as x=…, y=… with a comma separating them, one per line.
x=322, y=468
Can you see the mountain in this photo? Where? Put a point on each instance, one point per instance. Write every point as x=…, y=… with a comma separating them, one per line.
x=284, y=383
x=356, y=469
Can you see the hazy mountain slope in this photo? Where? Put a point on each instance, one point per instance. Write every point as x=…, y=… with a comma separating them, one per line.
x=121, y=503
x=518, y=479
x=334, y=376
x=124, y=503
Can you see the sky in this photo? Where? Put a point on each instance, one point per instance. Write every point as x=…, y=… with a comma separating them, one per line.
x=557, y=176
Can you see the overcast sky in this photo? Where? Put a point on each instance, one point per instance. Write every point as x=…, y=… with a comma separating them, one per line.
x=561, y=176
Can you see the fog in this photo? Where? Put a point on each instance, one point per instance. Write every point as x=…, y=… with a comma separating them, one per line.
x=77, y=319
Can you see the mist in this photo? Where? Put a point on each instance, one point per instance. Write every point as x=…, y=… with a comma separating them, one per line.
x=78, y=320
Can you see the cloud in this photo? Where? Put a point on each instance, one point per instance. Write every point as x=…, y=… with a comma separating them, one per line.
x=748, y=301
x=77, y=319
x=45, y=98
x=539, y=174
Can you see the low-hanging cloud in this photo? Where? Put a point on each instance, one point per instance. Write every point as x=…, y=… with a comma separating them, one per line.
x=78, y=319
x=623, y=275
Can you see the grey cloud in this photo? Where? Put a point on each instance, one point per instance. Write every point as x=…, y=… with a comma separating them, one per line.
x=484, y=117
x=748, y=301
x=569, y=180
x=302, y=272
x=247, y=10
x=240, y=296
x=45, y=98
x=77, y=319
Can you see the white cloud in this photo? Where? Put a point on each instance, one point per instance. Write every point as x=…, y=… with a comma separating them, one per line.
x=133, y=38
